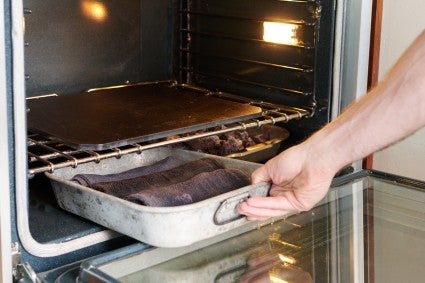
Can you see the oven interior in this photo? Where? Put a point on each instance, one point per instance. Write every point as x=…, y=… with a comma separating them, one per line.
x=276, y=55
x=266, y=51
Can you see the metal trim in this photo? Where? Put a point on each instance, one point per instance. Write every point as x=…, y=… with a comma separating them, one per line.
x=405, y=181
x=5, y=221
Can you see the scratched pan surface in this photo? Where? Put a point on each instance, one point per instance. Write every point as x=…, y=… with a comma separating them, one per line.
x=114, y=117
x=158, y=226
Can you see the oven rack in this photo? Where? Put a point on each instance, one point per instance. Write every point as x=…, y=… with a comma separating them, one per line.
x=209, y=33
x=48, y=154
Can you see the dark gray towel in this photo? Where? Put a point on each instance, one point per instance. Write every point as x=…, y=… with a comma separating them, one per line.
x=200, y=187
x=178, y=174
x=167, y=163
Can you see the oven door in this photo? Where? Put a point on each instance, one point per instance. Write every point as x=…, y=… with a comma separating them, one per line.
x=369, y=228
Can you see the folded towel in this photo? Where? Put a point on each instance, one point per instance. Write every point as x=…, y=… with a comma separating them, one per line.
x=202, y=186
x=89, y=180
x=178, y=174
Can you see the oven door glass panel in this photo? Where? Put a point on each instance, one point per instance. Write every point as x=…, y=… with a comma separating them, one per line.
x=370, y=228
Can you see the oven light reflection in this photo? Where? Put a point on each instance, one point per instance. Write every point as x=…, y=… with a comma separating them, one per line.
x=275, y=238
x=287, y=259
x=277, y=280
x=275, y=276
x=282, y=33
x=94, y=10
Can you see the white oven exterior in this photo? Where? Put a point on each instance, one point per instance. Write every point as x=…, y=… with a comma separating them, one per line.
x=353, y=22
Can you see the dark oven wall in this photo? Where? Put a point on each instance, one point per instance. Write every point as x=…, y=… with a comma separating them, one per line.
x=226, y=46
x=72, y=46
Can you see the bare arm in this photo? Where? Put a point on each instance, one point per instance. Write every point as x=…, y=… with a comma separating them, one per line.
x=390, y=112
x=301, y=175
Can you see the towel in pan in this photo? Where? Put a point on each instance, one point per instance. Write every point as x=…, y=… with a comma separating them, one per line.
x=169, y=182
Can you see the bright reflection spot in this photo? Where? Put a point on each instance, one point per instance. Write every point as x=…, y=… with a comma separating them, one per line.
x=275, y=276
x=94, y=10
x=282, y=33
x=287, y=259
x=274, y=279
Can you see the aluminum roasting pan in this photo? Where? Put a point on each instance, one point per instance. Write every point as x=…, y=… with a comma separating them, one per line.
x=157, y=226
x=266, y=150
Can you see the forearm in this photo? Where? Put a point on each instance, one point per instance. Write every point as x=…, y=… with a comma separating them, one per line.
x=300, y=176
x=391, y=111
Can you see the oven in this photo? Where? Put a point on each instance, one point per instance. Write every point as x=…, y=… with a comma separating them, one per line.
x=100, y=86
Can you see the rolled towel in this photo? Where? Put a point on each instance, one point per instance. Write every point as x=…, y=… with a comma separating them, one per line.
x=202, y=186
x=167, y=163
x=178, y=174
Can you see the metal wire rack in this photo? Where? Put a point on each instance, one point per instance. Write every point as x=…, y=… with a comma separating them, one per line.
x=48, y=154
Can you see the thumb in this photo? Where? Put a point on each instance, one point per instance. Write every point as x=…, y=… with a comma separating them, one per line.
x=260, y=175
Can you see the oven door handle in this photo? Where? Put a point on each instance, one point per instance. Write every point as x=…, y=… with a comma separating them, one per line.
x=227, y=212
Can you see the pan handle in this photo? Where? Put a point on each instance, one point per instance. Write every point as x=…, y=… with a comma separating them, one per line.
x=227, y=213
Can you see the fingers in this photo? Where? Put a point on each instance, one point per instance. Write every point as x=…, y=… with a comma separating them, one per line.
x=295, y=187
x=259, y=214
x=261, y=208
x=272, y=202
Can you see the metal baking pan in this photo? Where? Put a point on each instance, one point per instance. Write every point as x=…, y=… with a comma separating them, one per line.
x=266, y=150
x=118, y=116
x=157, y=226
x=259, y=152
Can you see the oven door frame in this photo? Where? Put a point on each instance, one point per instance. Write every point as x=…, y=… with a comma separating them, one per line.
x=5, y=184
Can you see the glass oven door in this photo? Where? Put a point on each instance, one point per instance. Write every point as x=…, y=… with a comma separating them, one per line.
x=369, y=228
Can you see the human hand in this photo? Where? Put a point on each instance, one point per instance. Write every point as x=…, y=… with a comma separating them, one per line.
x=299, y=178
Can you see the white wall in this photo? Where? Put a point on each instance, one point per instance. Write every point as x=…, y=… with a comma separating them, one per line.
x=402, y=22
